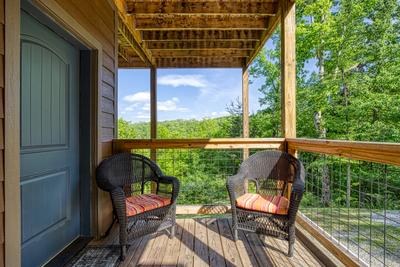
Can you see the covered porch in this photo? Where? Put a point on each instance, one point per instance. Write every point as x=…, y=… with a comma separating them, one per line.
x=349, y=215
x=211, y=34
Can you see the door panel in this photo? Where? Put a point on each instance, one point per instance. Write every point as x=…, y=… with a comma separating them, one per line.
x=49, y=142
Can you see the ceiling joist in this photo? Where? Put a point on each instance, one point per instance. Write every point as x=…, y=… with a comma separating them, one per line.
x=204, y=34
x=247, y=45
x=127, y=35
x=260, y=7
x=177, y=22
x=194, y=33
x=200, y=53
x=200, y=62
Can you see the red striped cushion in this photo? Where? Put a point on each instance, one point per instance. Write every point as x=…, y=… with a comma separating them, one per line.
x=142, y=203
x=263, y=203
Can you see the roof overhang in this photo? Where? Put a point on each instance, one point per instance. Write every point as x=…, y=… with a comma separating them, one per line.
x=193, y=33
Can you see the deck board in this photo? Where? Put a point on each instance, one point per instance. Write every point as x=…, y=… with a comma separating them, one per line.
x=209, y=242
x=201, y=257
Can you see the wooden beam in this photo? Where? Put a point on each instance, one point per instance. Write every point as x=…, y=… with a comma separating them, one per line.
x=200, y=44
x=123, y=53
x=200, y=62
x=126, y=34
x=264, y=38
x=176, y=22
x=386, y=153
x=153, y=117
x=131, y=62
x=266, y=7
x=192, y=35
x=153, y=103
x=245, y=108
x=288, y=68
x=173, y=53
x=120, y=145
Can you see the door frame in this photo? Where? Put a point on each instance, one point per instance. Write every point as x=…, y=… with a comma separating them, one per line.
x=12, y=116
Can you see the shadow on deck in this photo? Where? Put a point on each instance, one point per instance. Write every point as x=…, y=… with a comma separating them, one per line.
x=209, y=242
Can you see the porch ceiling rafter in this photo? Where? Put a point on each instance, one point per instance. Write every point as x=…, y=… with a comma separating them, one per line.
x=265, y=7
x=198, y=33
x=212, y=35
x=131, y=39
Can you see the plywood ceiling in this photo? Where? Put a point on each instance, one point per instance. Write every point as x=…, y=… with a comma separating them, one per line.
x=193, y=33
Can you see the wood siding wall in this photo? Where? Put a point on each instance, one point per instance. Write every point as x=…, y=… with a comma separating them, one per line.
x=2, y=132
x=99, y=17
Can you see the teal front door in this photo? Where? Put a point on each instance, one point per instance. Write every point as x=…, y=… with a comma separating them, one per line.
x=50, y=211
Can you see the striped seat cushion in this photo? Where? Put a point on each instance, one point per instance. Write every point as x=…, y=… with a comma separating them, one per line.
x=263, y=203
x=142, y=203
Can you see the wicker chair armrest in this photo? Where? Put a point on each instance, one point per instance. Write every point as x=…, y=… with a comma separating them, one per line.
x=175, y=185
x=236, y=187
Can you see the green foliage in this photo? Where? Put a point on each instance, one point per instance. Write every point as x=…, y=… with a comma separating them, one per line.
x=351, y=91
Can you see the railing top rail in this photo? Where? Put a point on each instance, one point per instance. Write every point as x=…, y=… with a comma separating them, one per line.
x=212, y=143
x=387, y=153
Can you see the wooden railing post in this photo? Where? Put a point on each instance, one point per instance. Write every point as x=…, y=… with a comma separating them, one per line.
x=153, y=115
x=288, y=71
x=245, y=108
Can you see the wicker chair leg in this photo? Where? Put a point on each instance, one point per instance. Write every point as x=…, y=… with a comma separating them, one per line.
x=291, y=249
x=235, y=234
x=123, y=252
x=172, y=232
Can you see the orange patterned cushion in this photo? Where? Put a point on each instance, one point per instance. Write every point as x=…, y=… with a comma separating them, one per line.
x=269, y=204
x=142, y=203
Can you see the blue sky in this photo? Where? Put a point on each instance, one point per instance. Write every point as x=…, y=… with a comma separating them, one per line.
x=186, y=93
x=182, y=93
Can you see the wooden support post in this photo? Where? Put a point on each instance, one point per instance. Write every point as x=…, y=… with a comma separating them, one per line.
x=288, y=68
x=153, y=104
x=288, y=71
x=245, y=108
x=153, y=116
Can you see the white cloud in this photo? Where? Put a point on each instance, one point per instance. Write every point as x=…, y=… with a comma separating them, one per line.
x=197, y=81
x=168, y=105
x=138, y=97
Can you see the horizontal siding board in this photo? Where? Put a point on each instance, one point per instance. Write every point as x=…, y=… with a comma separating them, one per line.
x=2, y=71
x=107, y=91
x=1, y=197
x=108, y=77
x=1, y=102
x=2, y=14
x=1, y=227
x=1, y=133
x=107, y=134
x=108, y=62
x=107, y=106
x=1, y=38
x=107, y=120
x=1, y=166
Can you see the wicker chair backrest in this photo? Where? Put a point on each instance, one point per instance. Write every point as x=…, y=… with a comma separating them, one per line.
x=272, y=170
x=129, y=171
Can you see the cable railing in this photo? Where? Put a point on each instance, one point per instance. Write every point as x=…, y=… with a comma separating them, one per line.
x=201, y=165
x=353, y=196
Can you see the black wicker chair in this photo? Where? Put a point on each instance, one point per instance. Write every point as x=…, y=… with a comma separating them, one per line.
x=127, y=176
x=267, y=211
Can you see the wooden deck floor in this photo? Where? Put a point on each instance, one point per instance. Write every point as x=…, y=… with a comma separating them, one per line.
x=208, y=242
